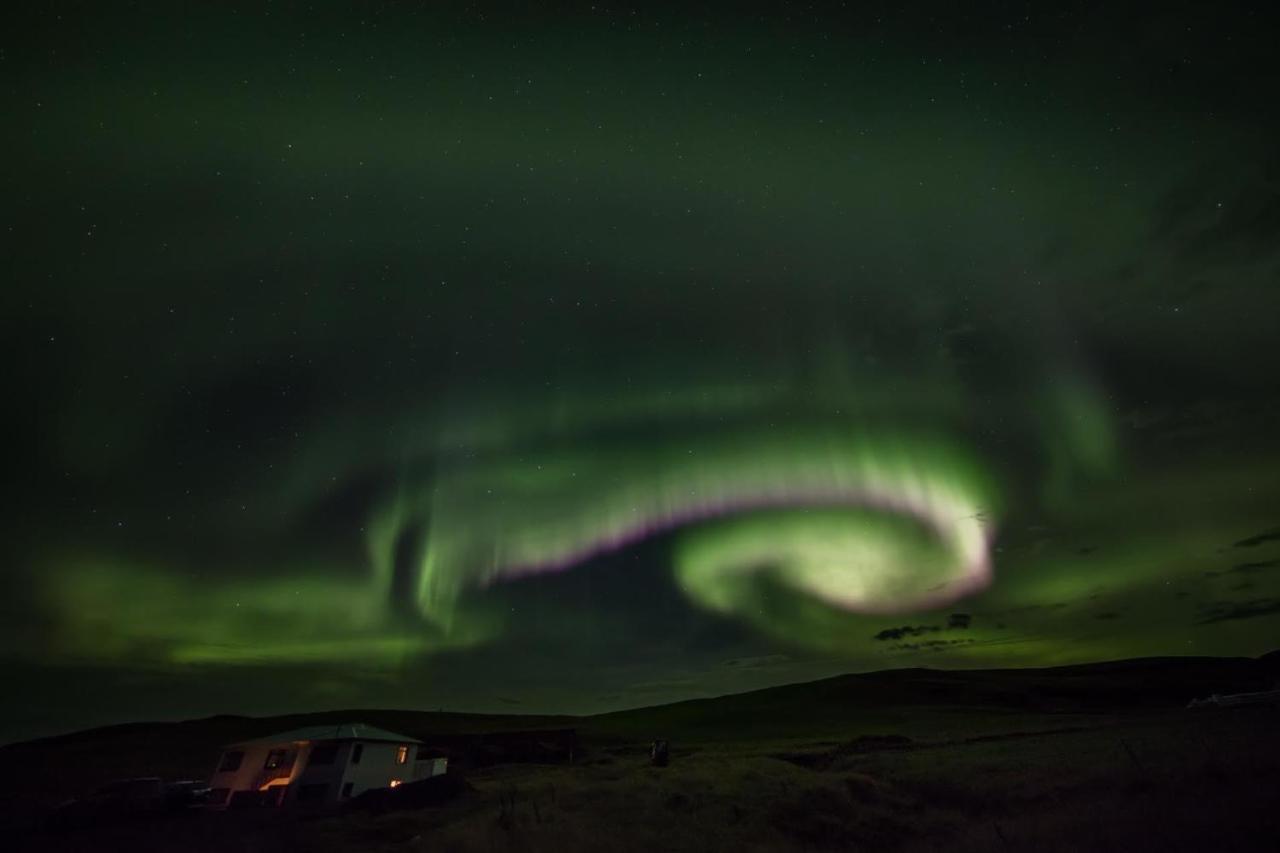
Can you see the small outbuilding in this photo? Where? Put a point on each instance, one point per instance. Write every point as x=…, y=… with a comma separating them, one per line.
x=319, y=764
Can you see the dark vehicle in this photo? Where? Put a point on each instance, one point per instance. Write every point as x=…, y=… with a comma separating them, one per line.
x=129, y=798
x=188, y=793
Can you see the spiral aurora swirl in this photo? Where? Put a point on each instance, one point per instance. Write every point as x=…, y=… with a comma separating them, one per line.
x=851, y=521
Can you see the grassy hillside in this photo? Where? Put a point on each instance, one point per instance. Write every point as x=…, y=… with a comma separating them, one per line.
x=1099, y=756
x=919, y=703
x=925, y=702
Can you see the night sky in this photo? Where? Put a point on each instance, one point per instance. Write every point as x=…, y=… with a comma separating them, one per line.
x=434, y=358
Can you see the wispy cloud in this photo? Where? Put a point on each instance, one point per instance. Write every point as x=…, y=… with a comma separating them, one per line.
x=956, y=621
x=907, y=631
x=1272, y=535
x=1224, y=611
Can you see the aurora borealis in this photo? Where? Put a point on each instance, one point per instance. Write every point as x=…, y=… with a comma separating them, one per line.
x=424, y=357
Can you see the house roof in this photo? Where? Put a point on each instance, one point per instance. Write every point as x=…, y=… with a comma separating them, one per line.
x=341, y=731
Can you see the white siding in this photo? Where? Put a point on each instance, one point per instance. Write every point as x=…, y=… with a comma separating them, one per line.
x=252, y=766
x=430, y=767
x=378, y=767
x=328, y=775
x=241, y=778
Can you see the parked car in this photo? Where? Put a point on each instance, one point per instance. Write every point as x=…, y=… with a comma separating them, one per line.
x=129, y=798
x=187, y=793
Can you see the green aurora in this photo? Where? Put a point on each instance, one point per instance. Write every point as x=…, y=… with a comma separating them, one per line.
x=413, y=358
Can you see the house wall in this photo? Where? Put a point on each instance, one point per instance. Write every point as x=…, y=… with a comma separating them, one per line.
x=325, y=782
x=378, y=767
x=241, y=778
x=252, y=766
x=313, y=776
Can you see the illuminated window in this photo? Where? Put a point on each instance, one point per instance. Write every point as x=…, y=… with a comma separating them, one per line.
x=402, y=755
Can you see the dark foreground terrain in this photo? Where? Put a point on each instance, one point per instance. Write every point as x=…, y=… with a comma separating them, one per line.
x=1101, y=757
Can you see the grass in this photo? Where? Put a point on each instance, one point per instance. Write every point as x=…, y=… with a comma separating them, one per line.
x=1173, y=781
x=810, y=768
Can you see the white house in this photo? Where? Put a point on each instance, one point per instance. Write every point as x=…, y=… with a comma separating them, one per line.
x=318, y=764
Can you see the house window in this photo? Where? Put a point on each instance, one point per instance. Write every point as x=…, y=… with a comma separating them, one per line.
x=346, y=789
x=231, y=761
x=323, y=753
x=402, y=755
x=275, y=758
x=356, y=752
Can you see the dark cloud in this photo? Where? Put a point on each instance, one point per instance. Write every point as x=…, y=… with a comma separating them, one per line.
x=1230, y=610
x=956, y=621
x=758, y=661
x=1245, y=568
x=1256, y=567
x=931, y=645
x=1272, y=535
x=1031, y=608
x=907, y=631
x=1205, y=224
x=1244, y=230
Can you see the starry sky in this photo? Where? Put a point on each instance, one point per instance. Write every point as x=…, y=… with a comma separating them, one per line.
x=434, y=357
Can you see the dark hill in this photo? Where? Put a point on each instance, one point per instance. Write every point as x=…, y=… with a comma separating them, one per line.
x=919, y=703
x=52, y=768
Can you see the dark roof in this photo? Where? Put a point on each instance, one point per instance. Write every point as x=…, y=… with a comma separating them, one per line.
x=341, y=731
